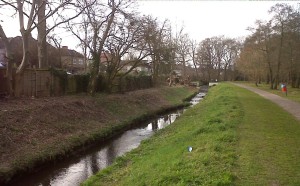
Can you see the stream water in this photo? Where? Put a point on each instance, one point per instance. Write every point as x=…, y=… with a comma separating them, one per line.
x=74, y=171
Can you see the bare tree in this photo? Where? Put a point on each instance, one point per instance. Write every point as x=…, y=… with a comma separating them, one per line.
x=126, y=40
x=219, y=53
x=97, y=24
x=183, y=51
x=262, y=39
x=280, y=19
x=28, y=12
x=291, y=49
x=42, y=29
x=56, y=40
x=231, y=51
x=193, y=56
x=206, y=58
x=9, y=59
x=156, y=36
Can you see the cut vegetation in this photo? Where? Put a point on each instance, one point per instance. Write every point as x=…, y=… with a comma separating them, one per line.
x=36, y=131
x=238, y=138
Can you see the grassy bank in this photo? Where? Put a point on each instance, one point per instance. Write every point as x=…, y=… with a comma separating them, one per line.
x=45, y=130
x=238, y=138
x=209, y=128
x=268, y=146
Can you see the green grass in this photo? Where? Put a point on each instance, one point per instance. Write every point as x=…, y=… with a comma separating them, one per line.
x=173, y=93
x=269, y=141
x=293, y=93
x=164, y=159
x=238, y=138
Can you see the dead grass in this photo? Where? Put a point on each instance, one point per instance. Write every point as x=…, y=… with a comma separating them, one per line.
x=33, y=129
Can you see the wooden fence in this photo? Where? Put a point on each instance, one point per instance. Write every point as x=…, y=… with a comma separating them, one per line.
x=3, y=82
x=44, y=83
x=34, y=83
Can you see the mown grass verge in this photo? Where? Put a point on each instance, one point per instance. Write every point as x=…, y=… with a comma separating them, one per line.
x=209, y=127
x=238, y=138
x=268, y=146
x=78, y=141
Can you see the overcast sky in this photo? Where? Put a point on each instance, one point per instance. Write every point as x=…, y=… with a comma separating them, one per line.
x=201, y=19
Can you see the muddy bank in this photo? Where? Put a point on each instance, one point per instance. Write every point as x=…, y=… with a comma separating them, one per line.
x=36, y=131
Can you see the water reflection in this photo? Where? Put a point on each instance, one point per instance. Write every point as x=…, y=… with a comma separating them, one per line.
x=197, y=98
x=75, y=171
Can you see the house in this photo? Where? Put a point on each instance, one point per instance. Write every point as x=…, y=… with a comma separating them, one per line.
x=17, y=45
x=72, y=61
x=2, y=55
x=143, y=67
x=178, y=73
x=105, y=57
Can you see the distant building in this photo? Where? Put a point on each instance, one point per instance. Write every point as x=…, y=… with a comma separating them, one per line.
x=2, y=55
x=72, y=61
x=17, y=46
x=143, y=67
x=105, y=57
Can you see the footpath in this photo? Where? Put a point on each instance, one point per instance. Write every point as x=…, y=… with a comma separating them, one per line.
x=288, y=105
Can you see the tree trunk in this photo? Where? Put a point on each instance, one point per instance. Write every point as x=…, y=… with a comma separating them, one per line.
x=94, y=74
x=155, y=68
x=208, y=74
x=270, y=77
x=42, y=44
x=225, y=73
x=20, y=69
x=277, y=76
x=9, y=56
x=297, y=80
x=96, y=55
x=197, y=70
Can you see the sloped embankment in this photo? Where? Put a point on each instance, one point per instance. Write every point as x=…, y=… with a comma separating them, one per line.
x=35, y=131
x=209, y=128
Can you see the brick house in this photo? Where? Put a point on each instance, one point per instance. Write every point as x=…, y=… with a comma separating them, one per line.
x=72, y=61
x=143, y=67
x=2, y=55
x=17, y=44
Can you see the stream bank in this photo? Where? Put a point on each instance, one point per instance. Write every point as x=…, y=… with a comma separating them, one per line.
x=36, y=133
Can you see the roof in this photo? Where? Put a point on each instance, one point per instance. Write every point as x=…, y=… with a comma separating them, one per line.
x=73, y=53
x=1, y=44
x=16, y=44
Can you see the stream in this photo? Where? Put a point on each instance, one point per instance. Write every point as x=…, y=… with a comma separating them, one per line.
x=75, y=170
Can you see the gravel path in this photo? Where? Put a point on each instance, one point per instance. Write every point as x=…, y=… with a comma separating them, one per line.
x=290, y=106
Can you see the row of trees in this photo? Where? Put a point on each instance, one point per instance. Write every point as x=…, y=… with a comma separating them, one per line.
x=216, y=57
x=271, y=52
x=115, y=27
x=100, y=26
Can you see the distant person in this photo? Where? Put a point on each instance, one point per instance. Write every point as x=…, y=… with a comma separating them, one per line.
x=284, y=88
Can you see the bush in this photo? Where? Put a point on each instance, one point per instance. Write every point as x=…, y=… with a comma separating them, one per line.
x=63, y=81
x=82, y=82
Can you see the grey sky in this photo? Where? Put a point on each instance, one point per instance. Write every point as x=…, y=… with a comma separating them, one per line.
x=201, y=19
